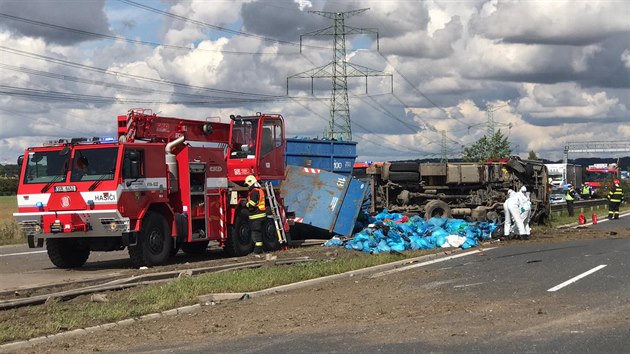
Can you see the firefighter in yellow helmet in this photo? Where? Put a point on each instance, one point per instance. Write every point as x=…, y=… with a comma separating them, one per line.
x=257, y=211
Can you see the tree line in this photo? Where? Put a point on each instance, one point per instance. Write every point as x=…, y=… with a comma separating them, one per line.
x=8, y=179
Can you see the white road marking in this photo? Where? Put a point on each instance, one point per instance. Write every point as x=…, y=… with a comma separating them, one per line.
x=576, y=278
x=20, y=254
x=391, y=271
x=467, y=285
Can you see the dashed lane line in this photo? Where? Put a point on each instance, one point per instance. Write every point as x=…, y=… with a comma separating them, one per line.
x=576, y=278
x=21, y=253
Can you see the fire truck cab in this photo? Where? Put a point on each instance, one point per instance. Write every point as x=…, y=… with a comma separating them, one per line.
x=163, y=184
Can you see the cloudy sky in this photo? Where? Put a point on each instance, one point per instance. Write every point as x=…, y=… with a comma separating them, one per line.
x=549, y=71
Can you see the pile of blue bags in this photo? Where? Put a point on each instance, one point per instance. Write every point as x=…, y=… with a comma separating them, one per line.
x=396, y=232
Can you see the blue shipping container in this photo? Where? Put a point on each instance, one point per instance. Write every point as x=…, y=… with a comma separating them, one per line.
x=329, y=155
x=322, y=199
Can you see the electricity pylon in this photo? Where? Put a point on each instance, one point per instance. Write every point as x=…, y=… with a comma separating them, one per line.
x=339, y=70
x=490, y=109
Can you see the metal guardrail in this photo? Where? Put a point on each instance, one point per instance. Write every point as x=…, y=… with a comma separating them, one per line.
x=579, y=204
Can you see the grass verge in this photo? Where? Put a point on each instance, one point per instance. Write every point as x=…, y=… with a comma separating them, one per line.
x=55, y=317
x=10, y=233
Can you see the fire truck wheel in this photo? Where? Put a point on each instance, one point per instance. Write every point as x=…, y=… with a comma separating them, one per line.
x=437, y=208
x=270, y=236
x=67, y=253
x=239, y=242
x=195, y=248
x=154, y=243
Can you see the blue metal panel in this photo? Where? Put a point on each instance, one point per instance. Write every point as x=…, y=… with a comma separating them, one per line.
x=317, y=196
x=329, y=155
x=350, y=208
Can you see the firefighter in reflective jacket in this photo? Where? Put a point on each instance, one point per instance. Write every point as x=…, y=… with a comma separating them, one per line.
x=257, y=211
x=615, y=197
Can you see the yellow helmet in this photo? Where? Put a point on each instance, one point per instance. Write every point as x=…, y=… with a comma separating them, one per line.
x=250, y=180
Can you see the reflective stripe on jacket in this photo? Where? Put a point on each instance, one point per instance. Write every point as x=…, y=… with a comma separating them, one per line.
x=569, y=195
x=256, y=201
x=616, y=195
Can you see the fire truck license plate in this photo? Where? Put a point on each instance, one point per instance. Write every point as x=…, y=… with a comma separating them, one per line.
x=65, y=188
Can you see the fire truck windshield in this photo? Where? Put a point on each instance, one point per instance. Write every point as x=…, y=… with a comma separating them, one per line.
x=94, y=164
x=46, y=166
x=599, y=176
x=244, y=138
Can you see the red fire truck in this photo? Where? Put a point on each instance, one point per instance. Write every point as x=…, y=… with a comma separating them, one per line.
x=164, y=184
x=599, y=175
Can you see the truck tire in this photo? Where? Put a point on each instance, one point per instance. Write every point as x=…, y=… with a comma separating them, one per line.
x=239, y=241
x=403, y=167
x=516, y=165
x=154, y=242
x=67, y=253
x=195, y=247
x=270, y=236
x=404, y=176
x=437, y=208
x=493, y=216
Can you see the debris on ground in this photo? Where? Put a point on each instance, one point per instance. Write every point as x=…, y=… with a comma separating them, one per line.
x=397, y=232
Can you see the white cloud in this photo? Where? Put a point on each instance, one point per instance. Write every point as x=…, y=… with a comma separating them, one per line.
x=303, y=4
x=565, y=101
x=563, y=65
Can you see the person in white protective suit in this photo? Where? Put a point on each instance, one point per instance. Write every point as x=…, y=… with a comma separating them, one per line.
x=512, y=210
x=525, y=210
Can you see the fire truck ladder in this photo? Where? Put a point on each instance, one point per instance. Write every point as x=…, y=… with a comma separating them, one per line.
x=275, y=213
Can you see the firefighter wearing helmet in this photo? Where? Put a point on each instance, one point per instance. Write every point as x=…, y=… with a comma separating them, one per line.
x=257, y=211
x=615, y=197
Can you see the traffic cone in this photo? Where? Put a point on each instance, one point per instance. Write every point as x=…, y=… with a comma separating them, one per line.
x=581, y=218
x=594, y=218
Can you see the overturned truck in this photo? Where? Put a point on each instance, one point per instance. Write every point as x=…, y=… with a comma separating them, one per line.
x=465, y=190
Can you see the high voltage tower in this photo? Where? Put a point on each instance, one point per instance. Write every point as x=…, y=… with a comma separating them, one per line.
x=444, y=147
x=339, y=70
x=491, y=124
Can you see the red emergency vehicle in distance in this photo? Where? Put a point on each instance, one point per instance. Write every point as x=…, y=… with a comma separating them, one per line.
x=597, y=175
x=151, y=190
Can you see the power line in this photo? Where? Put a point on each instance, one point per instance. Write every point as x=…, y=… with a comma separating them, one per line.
x=133, y=41
x=368, y=131
x=130, y=76
x=448, y=113
x=71, y=96
x=207, y=25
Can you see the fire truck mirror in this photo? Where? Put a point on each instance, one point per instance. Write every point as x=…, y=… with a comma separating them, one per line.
x=36, y=158
x=207, y=129
x=20, y=160
x=64, y=151
x=135, y=169
x=131, y=164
